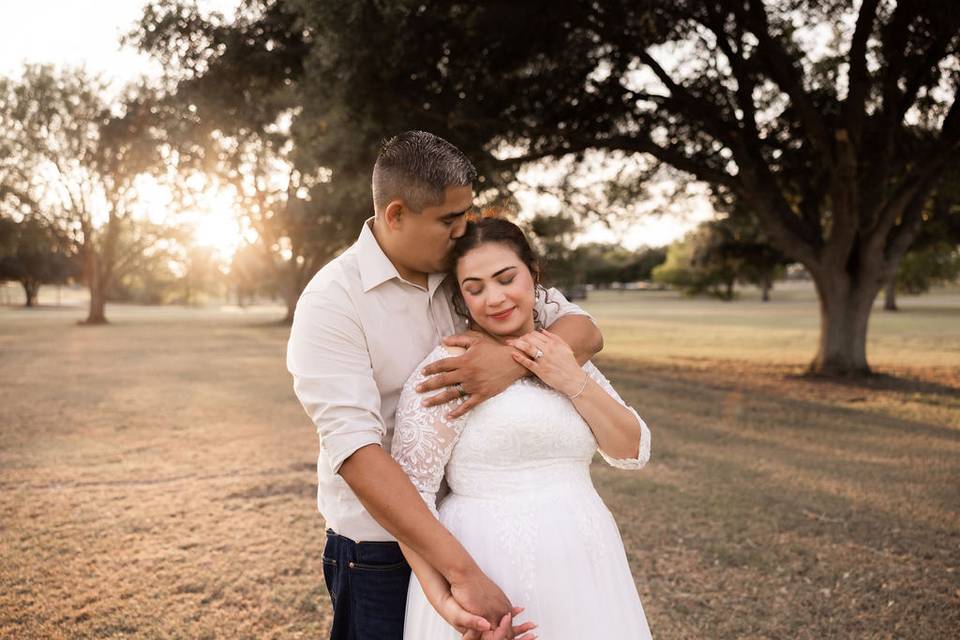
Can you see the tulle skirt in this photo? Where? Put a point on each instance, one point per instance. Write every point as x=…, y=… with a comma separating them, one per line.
x=557, y=553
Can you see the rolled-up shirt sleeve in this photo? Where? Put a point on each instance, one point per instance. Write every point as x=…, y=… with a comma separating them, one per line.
x=551, y=305
x=332, y=376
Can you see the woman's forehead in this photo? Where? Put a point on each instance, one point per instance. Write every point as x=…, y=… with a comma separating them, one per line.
x=488, y=258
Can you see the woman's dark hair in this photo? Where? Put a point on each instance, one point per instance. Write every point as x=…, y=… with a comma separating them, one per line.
x=490, y=230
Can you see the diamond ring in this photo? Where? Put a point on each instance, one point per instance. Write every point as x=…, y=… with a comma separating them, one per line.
x=460, y=390
x=539, y=354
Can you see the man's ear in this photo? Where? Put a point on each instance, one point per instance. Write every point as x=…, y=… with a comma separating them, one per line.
x=393, y=214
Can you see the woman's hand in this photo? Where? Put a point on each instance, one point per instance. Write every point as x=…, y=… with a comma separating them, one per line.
x=458, y=617
x=473, y=627
x=549, y=358
x=504, y=630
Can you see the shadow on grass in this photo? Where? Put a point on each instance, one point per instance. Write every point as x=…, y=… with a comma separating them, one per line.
x=881, y=381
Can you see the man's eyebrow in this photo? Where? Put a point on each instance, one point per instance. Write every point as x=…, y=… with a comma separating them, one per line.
x=455, y=214
x=493, y=276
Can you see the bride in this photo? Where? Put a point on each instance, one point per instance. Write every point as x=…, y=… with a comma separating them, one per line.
x=521, y=500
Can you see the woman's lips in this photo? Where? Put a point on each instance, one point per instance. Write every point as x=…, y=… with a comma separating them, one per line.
x=503, y=315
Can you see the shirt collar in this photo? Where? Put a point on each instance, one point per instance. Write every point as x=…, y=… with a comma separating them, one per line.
x=375, y=266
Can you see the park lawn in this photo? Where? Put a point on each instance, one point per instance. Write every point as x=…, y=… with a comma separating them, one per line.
x=158, y=476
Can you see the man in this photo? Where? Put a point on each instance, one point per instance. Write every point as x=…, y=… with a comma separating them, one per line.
x=361, y=326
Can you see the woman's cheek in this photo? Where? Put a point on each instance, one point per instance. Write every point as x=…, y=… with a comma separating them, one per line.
x=475, y=304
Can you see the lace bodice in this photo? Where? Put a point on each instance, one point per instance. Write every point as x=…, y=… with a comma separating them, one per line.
x=526, y=439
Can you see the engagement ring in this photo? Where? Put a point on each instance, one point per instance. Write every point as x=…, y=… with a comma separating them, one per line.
x=539, y=355
x=460, y=390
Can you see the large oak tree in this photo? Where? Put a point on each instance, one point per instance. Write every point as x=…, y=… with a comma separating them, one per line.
x=833, y=121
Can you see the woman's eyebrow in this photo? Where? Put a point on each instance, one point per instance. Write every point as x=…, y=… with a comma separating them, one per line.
x=502, y=270
x=493, y=276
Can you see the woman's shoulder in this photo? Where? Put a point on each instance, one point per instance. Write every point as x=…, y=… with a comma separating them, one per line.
x=442, y=351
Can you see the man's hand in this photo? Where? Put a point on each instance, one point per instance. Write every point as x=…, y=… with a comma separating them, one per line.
x=478, y=594
x=486, y=369
x=519, y=632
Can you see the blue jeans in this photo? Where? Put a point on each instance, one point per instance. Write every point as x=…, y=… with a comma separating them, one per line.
x=367, y=582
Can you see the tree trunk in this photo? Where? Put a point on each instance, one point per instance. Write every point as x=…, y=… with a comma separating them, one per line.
x=98, y=293
x=890, y=296
x=291, y=307
x=844, y=315
x=765, y=286
x=98, y=307
x=30, y=289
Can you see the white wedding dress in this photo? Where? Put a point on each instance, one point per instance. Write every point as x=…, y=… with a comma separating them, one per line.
x=523, y=505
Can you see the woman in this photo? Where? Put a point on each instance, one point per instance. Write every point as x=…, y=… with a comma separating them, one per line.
x=521, y=499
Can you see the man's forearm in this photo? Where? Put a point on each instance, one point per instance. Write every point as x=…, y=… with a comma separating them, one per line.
x=387, y=493
x=581, y=334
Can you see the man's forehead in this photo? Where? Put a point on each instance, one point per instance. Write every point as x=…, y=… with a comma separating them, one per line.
x=459, y=194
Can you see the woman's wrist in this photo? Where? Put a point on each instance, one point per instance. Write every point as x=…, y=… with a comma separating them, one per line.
x=574, y=390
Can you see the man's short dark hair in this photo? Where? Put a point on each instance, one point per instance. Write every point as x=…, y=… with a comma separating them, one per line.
x=416, y=167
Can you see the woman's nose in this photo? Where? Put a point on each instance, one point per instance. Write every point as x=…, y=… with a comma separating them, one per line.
x=494, y=297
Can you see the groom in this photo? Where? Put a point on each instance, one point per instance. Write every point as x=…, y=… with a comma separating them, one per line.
x=361, y=326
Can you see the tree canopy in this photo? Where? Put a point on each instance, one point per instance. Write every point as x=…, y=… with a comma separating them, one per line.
x=833, y=122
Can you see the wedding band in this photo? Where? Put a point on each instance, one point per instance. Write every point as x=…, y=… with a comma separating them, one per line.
x=539, y=355
x=460, y=390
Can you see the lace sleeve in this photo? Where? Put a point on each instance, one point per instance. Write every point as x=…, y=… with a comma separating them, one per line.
x=644, y=453
x=423, y=437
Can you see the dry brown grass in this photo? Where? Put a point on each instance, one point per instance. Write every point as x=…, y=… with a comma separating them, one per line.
x=158, y=481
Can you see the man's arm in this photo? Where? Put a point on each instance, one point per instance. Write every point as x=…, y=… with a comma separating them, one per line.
x=387, y=493
x=581, y=334
x=488, y=367
x=333, y=379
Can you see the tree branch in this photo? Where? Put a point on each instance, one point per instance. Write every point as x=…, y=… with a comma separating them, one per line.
x=697, y=107
x=784, y=71
x=858, y=80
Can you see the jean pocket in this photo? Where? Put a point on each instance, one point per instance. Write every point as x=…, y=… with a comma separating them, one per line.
x=330, y=571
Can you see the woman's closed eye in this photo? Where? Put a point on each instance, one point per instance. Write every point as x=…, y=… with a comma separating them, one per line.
x=479, y=290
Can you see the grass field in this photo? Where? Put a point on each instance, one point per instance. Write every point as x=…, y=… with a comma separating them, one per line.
x=158, y=476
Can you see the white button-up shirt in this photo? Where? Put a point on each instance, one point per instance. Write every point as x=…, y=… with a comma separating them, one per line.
x=358, y=333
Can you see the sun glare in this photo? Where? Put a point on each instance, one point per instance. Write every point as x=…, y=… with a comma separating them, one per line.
x=219, y=228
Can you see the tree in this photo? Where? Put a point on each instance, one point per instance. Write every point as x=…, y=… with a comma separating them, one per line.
x=934, y=257
x=938, y=263
x=833, y=122
x=696, y=264
x=822, y=144
x=249, y=276
x=643, y=263
x=33, y=253
x=739, y=243
x=236, y=92
x=552, y=235
x=71, y=159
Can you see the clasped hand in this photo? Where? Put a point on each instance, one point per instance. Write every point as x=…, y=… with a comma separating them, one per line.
x=485, y=370
x=547, y=356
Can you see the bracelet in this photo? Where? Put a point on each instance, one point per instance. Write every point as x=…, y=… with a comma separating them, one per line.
x=586, y=377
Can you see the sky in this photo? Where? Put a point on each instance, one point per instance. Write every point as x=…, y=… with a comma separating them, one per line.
x=87, y=33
